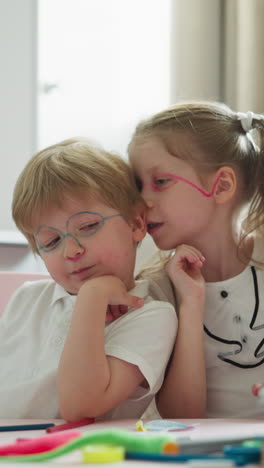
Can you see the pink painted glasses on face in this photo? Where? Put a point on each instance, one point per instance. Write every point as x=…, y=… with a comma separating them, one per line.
x=165, y=181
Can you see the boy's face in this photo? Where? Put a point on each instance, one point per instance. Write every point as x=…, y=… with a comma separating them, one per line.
x=77, y=246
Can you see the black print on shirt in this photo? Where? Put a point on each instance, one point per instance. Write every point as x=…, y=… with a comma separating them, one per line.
x=239, y=346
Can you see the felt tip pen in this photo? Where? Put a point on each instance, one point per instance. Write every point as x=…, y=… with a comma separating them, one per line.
x=205, y=446
x=25, y=427
x=258, y=391
x=70, y=425
x=238, y=460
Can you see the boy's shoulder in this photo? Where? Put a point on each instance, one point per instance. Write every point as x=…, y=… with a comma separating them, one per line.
x=35, y=287
x=31, y=294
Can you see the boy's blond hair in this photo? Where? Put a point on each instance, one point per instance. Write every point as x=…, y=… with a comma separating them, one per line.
x=72, y=168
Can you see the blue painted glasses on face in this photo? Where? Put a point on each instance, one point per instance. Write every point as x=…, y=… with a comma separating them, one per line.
x=80, y=225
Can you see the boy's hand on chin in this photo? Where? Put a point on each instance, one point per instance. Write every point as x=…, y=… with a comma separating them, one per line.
x=115, y=293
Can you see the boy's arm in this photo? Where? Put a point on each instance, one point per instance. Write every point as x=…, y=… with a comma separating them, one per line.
x=183, y=394
x=89, y=382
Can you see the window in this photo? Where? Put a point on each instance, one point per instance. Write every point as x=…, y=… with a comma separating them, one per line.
x=77, y=68
x=103, y=65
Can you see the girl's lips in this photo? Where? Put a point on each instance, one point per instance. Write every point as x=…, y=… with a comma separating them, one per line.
x=153, y=227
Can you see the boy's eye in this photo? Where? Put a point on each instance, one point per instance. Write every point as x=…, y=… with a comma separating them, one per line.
x=52, y=243
x=88, y=227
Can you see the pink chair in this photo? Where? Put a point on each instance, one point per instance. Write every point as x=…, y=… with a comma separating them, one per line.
x=10, y=281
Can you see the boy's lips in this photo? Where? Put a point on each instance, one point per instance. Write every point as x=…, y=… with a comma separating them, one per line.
x=82, y=271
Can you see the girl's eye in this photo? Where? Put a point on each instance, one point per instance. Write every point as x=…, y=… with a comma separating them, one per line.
x=161, y=183
x=138, y=183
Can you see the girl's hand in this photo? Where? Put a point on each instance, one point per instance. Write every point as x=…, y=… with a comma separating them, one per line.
x=114, y=312
x=184, y=270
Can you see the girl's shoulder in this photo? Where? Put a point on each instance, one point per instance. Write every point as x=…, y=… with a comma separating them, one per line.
x=257, y=256
x=160, y=287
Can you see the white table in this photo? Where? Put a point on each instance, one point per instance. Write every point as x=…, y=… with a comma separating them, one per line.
x=203, y=429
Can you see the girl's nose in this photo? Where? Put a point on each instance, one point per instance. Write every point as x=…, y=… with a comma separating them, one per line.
x=72, y=248
x=146, y=194
x=149, y=203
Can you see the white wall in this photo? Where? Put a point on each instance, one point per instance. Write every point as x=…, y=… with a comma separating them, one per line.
x=19, y=258
x=17, y=119
x=17, y=95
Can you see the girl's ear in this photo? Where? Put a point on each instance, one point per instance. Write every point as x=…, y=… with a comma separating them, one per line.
x=138, y=224
x=226, y=185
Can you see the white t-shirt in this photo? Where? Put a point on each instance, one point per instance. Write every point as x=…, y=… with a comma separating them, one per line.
x=234, y=339
x=33, y=330
x=234, y=342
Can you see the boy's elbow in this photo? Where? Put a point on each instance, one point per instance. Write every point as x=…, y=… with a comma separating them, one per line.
x=71, y=412
x=76, y=408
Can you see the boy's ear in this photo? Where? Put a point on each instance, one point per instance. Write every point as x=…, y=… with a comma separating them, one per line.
x=138, y=224
x=226, y=184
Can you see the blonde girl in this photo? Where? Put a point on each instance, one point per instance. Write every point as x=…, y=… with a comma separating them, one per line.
x=200, y=169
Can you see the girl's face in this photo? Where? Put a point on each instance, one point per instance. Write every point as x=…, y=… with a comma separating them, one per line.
x=180, y=207
x=76, y=245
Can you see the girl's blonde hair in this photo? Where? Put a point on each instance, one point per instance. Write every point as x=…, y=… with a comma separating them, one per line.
x=215, y=138
x=72, y=168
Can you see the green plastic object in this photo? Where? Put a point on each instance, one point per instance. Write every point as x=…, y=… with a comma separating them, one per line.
x=131, y=441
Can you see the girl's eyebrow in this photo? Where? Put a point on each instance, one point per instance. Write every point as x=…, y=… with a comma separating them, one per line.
x=156, y=168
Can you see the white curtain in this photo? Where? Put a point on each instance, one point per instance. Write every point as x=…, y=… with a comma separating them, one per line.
x=244, y=54
x=195, y=50
x=218, y=52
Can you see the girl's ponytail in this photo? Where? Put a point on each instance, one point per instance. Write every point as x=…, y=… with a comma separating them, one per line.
x=254, y=221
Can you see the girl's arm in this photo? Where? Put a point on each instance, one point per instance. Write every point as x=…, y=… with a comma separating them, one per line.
x=183, y=394
x=89, y=382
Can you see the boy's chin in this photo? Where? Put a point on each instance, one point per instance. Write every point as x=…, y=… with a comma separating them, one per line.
x=71, y=292
x=71, y=289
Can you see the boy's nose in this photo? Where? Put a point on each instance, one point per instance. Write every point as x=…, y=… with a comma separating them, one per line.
x=72, y=248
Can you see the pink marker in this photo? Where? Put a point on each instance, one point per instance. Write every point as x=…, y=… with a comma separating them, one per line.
x=258, y=391
x=40, y=444
x=70, y=425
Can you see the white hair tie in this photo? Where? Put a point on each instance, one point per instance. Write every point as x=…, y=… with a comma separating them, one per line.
x=246, y=119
